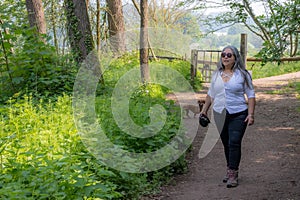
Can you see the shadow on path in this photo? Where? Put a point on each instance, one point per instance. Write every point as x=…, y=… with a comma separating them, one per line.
x=270, y=166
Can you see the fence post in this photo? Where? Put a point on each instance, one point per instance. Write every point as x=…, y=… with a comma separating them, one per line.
x=243, y=48
x=194, y=60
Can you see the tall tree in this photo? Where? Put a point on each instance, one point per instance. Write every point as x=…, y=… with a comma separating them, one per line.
x=56, y=24
x=116, y=25
x=98, y=25
x=36, y=15
x=79, y=29
x=144, y=53
x=168, y=15
x=53, y=22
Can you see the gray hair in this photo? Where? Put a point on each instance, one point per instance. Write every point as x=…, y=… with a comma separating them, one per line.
x=238, y=65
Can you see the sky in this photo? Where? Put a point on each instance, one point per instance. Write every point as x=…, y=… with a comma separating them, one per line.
x=257, y=6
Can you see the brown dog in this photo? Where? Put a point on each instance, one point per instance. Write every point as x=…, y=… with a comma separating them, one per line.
x=196, y=109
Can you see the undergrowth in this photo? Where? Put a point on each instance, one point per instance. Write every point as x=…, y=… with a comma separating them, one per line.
x=43, y=157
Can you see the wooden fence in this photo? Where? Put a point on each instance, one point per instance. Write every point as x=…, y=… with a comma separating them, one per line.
x=206, y=60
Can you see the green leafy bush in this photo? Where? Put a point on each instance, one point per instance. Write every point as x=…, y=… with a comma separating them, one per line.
x=43, y=157
x=31, y=65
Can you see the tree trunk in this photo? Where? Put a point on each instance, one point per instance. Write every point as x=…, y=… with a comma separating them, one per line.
x=6, y=54
x=36, y=15
x=53, y=24
x=80, y=35
x=79, y=29
x=296, y=44
x=149, y=44
x=98, y=26
x=116, y=25
x=144, y=54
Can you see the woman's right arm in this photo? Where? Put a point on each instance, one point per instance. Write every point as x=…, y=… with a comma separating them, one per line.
x=207, y=104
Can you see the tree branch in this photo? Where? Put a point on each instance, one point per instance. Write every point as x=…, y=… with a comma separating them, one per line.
x=136, y=6
x=254, y=18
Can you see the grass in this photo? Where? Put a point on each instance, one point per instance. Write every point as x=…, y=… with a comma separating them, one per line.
x=272, y=69
x=292, y=87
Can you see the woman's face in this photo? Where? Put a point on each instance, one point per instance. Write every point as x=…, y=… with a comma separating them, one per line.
x=228, y=58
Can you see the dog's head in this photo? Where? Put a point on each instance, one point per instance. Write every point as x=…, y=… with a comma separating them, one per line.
x=201, y=102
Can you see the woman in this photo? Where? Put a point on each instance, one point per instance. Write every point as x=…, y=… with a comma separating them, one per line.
x=230, y=82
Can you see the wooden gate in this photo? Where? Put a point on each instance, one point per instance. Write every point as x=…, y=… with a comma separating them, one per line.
x=205, y=61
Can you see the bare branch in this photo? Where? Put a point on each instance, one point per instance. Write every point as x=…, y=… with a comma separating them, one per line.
x=136, y=6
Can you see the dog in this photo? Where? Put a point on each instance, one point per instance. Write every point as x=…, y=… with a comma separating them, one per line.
x=196, y=109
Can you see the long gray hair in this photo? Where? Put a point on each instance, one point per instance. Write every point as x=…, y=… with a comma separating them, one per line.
x=238, y=65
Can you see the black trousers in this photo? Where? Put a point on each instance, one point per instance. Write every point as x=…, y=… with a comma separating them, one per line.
x=231, y=128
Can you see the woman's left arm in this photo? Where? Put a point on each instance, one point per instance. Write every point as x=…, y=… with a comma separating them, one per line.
x=251, y=109
x=249, y=90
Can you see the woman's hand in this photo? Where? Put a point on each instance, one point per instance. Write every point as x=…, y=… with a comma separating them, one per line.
x=203, y=113
x=251, y=107
x=249, y=120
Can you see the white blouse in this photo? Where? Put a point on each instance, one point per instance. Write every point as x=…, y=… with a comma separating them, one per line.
x=230, y=95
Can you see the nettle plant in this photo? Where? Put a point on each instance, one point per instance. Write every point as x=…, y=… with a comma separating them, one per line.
x=32, y=65
x=43, y=157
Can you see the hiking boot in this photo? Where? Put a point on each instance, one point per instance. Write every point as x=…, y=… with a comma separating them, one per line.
x=232, y=178
x=225, y=179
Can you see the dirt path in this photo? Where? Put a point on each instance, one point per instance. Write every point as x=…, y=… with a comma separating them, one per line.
x=270, y=166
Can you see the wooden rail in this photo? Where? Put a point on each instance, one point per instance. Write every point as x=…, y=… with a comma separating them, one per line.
x=166, y=57
x=207, y=64
x=282, y=59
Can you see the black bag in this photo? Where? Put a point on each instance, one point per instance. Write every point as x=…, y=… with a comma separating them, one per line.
x=204, y=120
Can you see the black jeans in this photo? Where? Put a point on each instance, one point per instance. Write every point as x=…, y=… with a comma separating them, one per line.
x=231, y=128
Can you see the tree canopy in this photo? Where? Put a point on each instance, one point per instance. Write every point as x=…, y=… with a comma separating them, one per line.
x=278, y=30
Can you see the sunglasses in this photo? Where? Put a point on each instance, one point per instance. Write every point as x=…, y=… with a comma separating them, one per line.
x=229, y=55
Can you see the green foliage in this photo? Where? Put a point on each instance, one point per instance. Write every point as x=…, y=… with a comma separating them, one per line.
x=33, y=66
x=140, y=104
x=42, y=156
x=274, y=27
x=122, y=65
x=189, y=25
x=272, y=69
x=141, y=101
x=282, y=38
x=28, y=62
x=13, y=10
x=184, y=68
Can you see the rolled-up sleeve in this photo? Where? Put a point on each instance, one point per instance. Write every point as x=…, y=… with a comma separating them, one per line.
x=211, y=91
x=249, y=90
